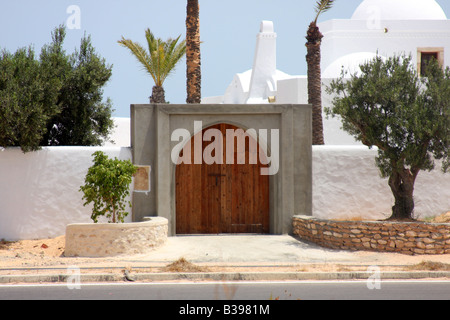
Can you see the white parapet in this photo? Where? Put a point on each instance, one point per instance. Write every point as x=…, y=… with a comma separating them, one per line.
x=111, y=239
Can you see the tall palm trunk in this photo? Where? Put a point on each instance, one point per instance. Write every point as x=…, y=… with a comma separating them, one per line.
x=313, y=59
x=193, y=59
x=158, y=95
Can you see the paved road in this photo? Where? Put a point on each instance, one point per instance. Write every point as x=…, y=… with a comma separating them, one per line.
x=304, y=290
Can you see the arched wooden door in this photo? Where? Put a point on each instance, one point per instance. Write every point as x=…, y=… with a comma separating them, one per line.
x=222, y=198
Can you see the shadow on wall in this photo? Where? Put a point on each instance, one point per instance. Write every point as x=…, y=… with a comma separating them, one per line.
x=120, y=136
x=347, y=185
x=39, y=191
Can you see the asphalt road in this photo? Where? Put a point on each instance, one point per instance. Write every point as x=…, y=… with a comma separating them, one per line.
x=209, y=291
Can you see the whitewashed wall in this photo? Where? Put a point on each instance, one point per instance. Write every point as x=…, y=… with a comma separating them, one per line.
x=39, y=191
x=347, y=184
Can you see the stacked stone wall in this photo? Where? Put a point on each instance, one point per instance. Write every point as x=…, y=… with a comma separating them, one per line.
x=383, y=236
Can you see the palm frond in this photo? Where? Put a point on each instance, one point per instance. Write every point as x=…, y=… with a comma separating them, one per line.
x=162, y=56
x=323, y=6
x=174, y=52
x=141, y=55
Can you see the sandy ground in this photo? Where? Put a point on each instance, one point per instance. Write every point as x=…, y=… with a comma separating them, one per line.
x=45, y=255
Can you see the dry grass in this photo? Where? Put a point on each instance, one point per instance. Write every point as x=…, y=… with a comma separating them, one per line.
x=430, y=266
x=5, y=245
x=356, y=219
x=48, y=247
x=443, y=218
x=182, y=265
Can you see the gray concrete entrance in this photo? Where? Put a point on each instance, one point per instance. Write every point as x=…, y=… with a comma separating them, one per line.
x=153, y=143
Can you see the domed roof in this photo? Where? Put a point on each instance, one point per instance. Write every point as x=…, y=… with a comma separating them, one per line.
x=350, y=63
x=399, y=10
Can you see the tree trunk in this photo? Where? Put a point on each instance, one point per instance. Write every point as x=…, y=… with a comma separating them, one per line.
x=193, y=59
x=313, y=59
x=158, y=95
x=402, y=186
x=113, y=213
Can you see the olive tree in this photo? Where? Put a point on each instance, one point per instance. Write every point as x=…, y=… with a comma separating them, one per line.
x=27, y=100
x=405, y=116
x=84, y=118
x=54, y=98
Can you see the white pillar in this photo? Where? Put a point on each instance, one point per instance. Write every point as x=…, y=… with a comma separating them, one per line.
x=263, y=81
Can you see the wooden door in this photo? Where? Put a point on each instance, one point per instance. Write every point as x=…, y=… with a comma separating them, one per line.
x=222, y=198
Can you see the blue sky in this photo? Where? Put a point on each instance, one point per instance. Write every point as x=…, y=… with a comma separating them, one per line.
x=228, y=32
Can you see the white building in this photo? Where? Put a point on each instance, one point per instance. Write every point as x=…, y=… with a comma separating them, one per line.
x=419, y=28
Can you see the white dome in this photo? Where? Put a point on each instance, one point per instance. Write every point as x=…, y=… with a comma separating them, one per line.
x=399, y=10
x=350, y=63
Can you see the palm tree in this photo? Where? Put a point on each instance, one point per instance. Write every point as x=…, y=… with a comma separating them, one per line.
x=313, y=57
x=193, y=58
x=159, y=61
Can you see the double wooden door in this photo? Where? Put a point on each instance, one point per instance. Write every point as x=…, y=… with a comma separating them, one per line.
x=222, y=198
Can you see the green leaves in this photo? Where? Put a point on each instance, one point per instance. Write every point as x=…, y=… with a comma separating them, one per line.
x=107, y=186
x=322, y=6
x=160, y=59
x=53, y=100
x=406, y=117
x=26, y=100
x=84, y=118
x=390, y=107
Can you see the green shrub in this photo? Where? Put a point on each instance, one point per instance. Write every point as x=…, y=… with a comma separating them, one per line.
x=107, y=186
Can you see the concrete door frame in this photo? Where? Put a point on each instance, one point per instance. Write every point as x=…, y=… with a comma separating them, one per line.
x=290, y=189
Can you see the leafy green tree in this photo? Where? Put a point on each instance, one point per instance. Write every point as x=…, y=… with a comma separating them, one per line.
x=27, y=100
x=54, y=66
x=159, y=61
x=407, y=117
x=84, y=118
x=107, y=186
x=53, y=100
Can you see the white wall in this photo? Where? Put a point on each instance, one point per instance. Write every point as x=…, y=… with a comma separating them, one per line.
x=120, y=136
x=347, y=184
x=344, y=37
x=39, y=191
x=295, y=90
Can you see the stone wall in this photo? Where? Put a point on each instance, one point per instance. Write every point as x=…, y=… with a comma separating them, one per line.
x=113, y=239
x=402, y=237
